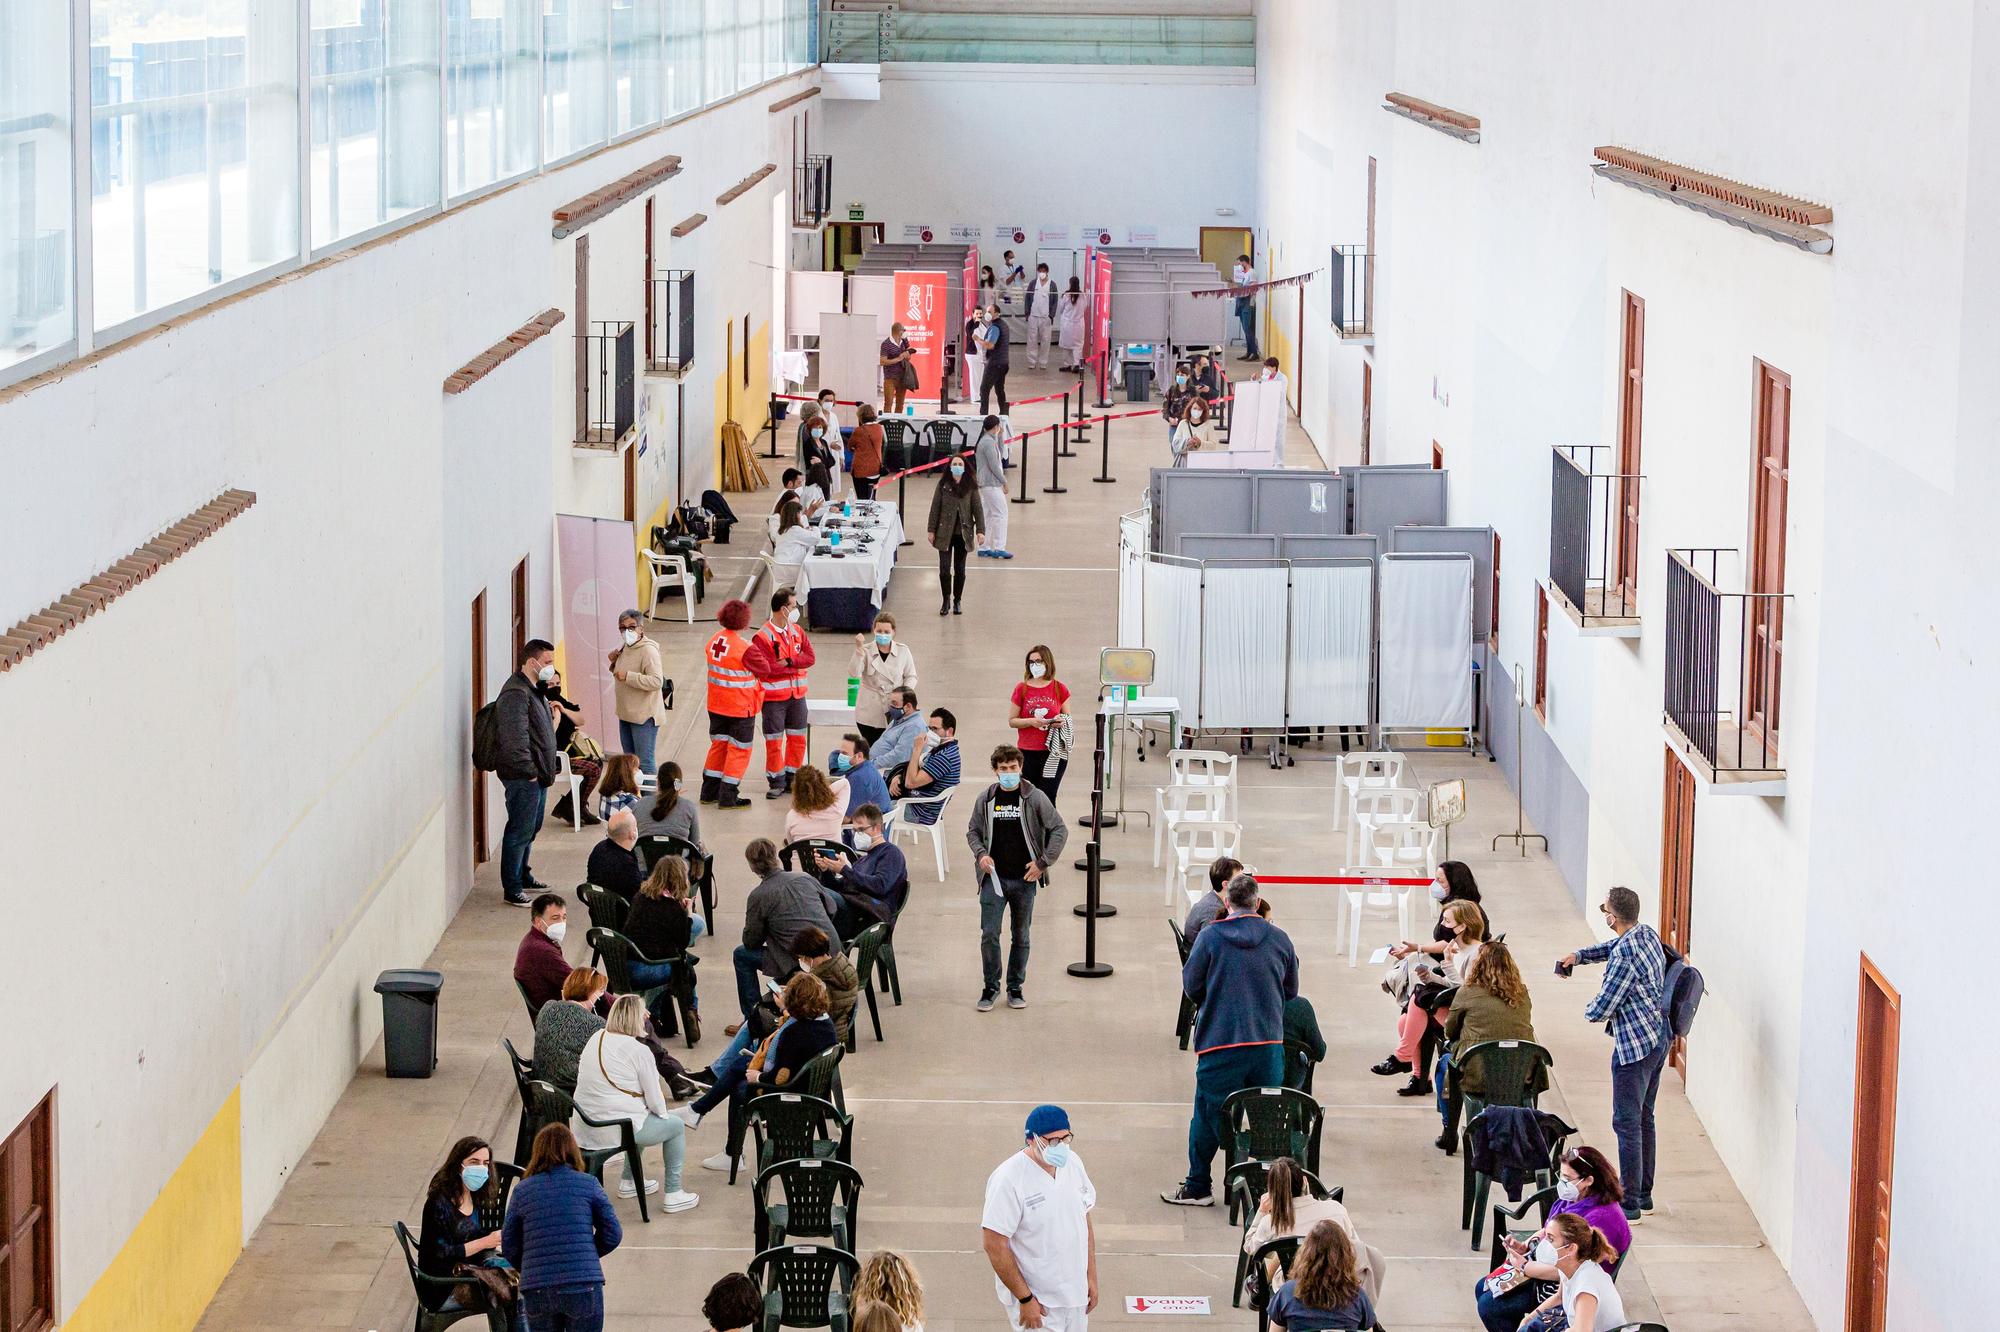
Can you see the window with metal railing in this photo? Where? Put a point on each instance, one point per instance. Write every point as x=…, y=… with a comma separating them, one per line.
x=1722, y=668
x=1353, y=273
x=1586, y=535
x=672, y=344
x=607, y=402
x=812, y=190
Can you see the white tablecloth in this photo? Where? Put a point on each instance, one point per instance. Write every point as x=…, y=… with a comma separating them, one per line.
x=855, y=568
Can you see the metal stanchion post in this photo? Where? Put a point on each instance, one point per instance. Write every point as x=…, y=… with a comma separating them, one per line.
x=1104, y=466
x=1103, y=380
x=1024, y=497
x=773, y=413
x=1092, y=858
x=1082, y=430
x=902, y=486
x=1055, y=485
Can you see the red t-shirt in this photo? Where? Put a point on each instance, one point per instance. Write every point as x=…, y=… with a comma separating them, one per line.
x=1037, y=698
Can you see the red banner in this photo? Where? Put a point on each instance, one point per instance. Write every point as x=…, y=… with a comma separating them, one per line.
x=920, y=308
x=971, y=294
x=1100, y=296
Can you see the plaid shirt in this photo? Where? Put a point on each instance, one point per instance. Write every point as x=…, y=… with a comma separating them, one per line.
x=1632, y=1001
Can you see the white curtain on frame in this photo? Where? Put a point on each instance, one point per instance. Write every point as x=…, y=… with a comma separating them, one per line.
x=1333, y=630
x=1244, y=613
x=1172, y=628
x=1131, y=579
x=1426, y=661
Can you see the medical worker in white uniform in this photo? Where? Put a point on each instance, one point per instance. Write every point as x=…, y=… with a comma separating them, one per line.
x=1038, y=1232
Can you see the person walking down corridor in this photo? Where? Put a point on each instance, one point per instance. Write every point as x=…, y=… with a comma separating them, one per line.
x=1015, y=835
x=955, y=526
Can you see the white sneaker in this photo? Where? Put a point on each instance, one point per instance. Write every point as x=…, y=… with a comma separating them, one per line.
x=625, y=1189
x=720, y=1161
x=680, y=1200
x=688, y=1115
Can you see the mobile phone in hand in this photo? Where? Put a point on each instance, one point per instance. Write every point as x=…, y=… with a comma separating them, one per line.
x=1563, y=969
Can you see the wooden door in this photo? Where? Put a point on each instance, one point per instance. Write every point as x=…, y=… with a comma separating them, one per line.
x=1368, y=278
x=1541, y=652
x=1764, y=623
x=1677, y=868
x=646, y=278
x=479, y=700
x=1437, y=457
x=1631, y=404
x=27, y=1222
x=582, y=342
x=1367, y=407
x=1876, y=1045
x=517, y=614
x=631, y=483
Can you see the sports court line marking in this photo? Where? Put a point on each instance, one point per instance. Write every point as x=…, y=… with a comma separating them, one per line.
x=1112, y=1105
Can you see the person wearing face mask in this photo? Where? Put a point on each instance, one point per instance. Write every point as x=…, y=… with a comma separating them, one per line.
x=1588, y=1299
x=1271, y=374
x=899, y=375
x=956, y=526
x=539, y=965
x=1070, y=313
x=586, y=756
x=1041, y=317
x=864, y=781
x=1421, y=1023
x=881, y=664
x=868, y=442
x=1174, y=413
x=990, y=472
x=734, y=700
x=1492, y=1005
x=1039, y=715
x=1037, y=1229
x=779, y=656
x=818, y=437
x=639, y=701
x=1246, y=305
x=932, y=771
x=461, y=1235
x=1587, y=1188
x=525, y=763
x=992, y=335
x=1015, y=834
x=869, y=881
x=899, y=741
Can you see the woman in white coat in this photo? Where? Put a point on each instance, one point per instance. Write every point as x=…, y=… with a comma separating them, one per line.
x=1069, y=332
x=617, y=1079
x=880, y=663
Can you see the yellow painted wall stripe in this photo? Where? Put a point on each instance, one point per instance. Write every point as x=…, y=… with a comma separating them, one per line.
x=176, y=1257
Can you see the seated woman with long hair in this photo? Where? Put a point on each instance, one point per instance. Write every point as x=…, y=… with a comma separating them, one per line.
x=1325, y=1291
x=1291, y=1208
x=795, y=539
x=819, y=807
x=461, y=1238
x=1422, y=1022
x=662, y=924
x=1492, y=1005
x=1588, y=1187
x=889, y=1280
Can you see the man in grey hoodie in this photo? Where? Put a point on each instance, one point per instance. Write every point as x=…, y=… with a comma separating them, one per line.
x=1015, y=835
x=1241, y=971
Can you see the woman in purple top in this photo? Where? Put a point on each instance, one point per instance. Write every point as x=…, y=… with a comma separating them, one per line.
x=1588, y=1186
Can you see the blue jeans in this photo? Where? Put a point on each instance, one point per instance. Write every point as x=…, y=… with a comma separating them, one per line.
x=1017, y=899
x=670, y=1136
x=565, y=1308
x=749, y=963
x=1634, y=1087
x=645, y=975
x=735, y=1054
x=637, y=738
x=1246, y=314
x=1503, y=1313
x=1217, y=1075
x=525, y=797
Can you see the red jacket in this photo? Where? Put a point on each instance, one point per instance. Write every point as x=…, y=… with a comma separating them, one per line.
x=540, y=967
x=779, y=656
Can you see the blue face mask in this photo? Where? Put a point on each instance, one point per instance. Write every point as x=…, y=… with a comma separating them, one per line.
x=957, y=470
x=893, y=713
x=475, y=1177
x=884, y=640
x=838, y=762
x=1056, y=1154
x=1008, y=780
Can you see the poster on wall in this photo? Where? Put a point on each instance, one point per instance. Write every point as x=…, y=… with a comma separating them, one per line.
x=1052, y=236
x=1142, y=235
x=1010, y=234
x=1096, y=235
x=598, y=574
x=1100, y=300
x=970, y=286
x=921, y=233
x=965, y=231
x=921, y=309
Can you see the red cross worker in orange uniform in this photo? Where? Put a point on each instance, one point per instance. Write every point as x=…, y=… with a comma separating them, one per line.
x=733, y=699
x=779, y=656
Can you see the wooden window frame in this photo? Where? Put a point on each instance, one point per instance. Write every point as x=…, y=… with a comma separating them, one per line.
x=646, y=278
x=36, y=1135
x=1764, y=671
x=1494, y=638
x=479, y=700
x=1437, y=456
x=1631, y=425
x=1867, y=1301
x=1542, y=653
x=582, y=340
x=1367, y=407
x=517, y=606
x=1677, y=809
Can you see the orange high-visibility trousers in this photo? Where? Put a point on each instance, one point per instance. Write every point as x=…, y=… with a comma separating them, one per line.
x=729, y=741
x=784, y=736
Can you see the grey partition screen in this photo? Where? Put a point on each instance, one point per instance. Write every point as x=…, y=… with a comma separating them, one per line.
x=1307, y=547
x=1186, y=500
x=1300, y=502
x=1474, y=541
x=1228, y=546
x=1388, y=498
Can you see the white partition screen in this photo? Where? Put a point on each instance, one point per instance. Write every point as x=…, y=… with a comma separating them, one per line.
x=812, y=295
x=1172, y=629
x=1426, y=666
x=873, y=296
x=1131, y=576
x=1333, y=628
x=1243, y=615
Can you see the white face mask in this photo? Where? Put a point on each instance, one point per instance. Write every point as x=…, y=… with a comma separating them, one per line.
x=1036, y=669
x=862, y=840
x=792, y=615
x=546, y=673
x=937, y=736
x=1568, y=1190
x=558, y=930
x=631, y=637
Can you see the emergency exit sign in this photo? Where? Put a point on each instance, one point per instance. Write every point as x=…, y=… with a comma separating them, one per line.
x=855, y=212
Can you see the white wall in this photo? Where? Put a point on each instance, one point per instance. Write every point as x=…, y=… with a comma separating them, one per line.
x=1497, y=335
x=277, y=724
x=1034, y=146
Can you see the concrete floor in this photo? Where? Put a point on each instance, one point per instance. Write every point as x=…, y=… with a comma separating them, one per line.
x=941, y=1100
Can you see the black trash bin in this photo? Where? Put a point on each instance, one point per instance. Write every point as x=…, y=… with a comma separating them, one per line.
x=409, y=1021
x=1138, y=381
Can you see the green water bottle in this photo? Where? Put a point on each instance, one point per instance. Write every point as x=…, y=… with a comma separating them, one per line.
x=853, y=689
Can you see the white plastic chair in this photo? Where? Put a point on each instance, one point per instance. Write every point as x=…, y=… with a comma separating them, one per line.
x=1204, y=767
x=564, y=773
x=669, y=572
x=1193, y=846
x=1357, y=899
x=1406, y=848
x=1373, y=806
x=894, y=822
x=1186, y=804
x=1353, y=773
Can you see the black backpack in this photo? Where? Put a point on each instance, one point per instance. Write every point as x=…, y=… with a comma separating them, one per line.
x=1683, y=987
x=486, y=738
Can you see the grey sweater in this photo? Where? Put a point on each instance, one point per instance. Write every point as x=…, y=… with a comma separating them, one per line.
x=1040, y=824
x=778, y=908
x=989, y=468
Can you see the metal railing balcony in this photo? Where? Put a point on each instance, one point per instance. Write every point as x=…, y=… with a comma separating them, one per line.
x=670, y=341
x=1724, y=669
x=1593, y=538
x=812, y=190
x=1353, y=273
x=607, y=390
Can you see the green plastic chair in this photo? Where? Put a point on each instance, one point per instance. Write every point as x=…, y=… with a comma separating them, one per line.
x=607, y=910
x=1286, y=1251
x=701, y=867
x=794, y=1126
x=1265, y=1123
x=524, y=1073
x=1478, y=1184
x=1245, y=1186
x=620, y=953
x=1503, y=1215
x=805, y=1285
x=553, y=1105
x=1184, y=1019
x=428, y=1320
x=526, y=1002
x=822, y=1201
x=892, y=982
x=1297, y=1055
x=1509, y=1070
x=866, y=951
